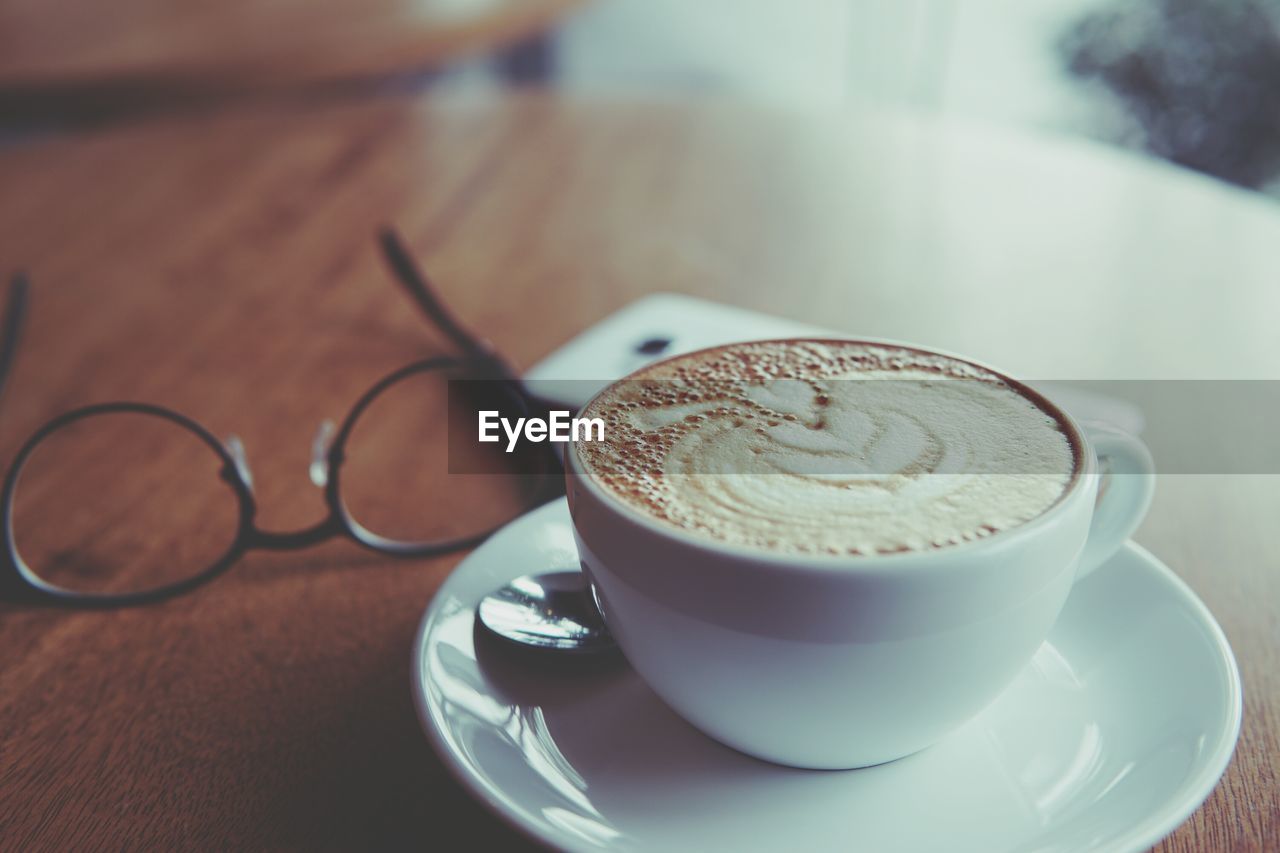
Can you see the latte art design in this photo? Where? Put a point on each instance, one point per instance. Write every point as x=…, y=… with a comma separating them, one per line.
x=829, y=447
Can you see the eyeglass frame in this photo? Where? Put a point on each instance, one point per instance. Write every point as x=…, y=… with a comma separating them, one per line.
x=19, y=584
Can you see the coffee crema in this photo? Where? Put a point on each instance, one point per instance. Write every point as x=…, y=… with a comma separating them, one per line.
x=829, y=447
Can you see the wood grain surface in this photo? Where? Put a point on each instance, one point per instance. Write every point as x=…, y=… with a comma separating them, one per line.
x=87, y=61
x=252, y=39
x=224, y=265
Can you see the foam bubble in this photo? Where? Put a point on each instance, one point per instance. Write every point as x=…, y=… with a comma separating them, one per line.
x=829, y=447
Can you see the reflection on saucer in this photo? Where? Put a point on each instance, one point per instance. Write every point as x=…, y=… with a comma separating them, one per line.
x=1115, y=733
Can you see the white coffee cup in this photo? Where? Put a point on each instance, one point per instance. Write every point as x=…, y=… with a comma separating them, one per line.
x=801, y=662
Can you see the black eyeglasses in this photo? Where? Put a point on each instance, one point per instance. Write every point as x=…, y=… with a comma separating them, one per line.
x=137, y=503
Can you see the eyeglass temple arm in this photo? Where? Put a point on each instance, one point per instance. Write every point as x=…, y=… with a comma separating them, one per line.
x=15, y=312
x=423, y=292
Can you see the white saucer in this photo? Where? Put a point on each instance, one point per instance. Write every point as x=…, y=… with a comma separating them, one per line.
x=1116, y=732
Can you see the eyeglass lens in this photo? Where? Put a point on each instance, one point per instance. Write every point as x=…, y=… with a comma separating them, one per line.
x=120, y=503
x=408, y=477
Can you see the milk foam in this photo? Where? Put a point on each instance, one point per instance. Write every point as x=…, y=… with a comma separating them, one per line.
x=828, y=447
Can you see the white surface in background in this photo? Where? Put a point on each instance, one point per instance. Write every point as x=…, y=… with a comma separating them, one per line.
x=990, y=59
x=789, y=53
x=609, y=350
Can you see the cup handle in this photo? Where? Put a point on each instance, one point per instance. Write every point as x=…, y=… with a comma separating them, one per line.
x=1126, y=482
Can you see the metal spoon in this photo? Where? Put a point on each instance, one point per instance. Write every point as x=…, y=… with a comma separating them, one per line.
x=556, y=611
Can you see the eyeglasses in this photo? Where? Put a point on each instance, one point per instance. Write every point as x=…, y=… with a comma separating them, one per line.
x=126, y=503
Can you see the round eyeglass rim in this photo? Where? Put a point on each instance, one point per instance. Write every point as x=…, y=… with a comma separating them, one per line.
x=32, y=589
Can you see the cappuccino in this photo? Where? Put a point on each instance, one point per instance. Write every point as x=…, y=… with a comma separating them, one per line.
x=830, y=447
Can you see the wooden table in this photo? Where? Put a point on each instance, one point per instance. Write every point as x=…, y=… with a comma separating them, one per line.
x=88, y=60
x=225, y=266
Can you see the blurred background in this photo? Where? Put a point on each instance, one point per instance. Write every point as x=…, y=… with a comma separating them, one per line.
x=1196, y=82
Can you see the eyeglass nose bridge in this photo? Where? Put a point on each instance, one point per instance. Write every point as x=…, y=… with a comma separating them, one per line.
x=272, y=540
x=235, y=448
x=319, y=468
